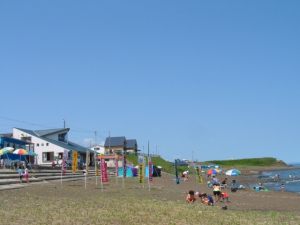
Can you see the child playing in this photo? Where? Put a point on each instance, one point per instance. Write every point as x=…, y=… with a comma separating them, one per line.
x=206, y=199
x=190, y=198
x=20, y=172
x=224, y=196
x=26, y=175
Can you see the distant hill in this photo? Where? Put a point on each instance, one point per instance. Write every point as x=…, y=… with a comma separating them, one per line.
x=267, y=161
x=167, y=166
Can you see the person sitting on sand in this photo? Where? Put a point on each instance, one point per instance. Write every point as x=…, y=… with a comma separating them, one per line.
x=206, y=199
x=190, y=198
x=185, y=175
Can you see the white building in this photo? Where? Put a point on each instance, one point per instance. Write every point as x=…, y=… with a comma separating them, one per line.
x=99, y=149
x=50, y=144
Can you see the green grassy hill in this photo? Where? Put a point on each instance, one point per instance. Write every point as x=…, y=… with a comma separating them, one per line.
x=167, y=167
x=268, y=161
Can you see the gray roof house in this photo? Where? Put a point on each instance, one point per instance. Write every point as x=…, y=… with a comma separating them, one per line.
x=120, y=144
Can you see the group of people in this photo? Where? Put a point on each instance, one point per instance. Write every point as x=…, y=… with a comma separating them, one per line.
x=206, y=198
x=23, y=173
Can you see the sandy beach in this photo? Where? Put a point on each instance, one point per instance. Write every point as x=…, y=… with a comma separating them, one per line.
x=71, y=203
x=241, y=200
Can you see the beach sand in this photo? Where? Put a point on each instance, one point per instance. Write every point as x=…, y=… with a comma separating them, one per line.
x=162, y=189
x=241, y=200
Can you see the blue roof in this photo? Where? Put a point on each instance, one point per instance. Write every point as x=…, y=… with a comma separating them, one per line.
x=51, y=131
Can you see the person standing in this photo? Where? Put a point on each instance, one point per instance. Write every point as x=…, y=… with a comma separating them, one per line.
x=20, y=172
x=282, y=187
x=26, y=175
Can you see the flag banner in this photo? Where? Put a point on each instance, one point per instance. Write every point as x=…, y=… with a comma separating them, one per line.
x=141, y=159
x=176, y=173
x=200, y=180
x=97, y=167
x=141, y=162
x=104, y=176
x=117, y=167
x=74, y=161
x=124, y=166
x=87, y=162
x=150, y=166
x=141, y=173
x=64, y=162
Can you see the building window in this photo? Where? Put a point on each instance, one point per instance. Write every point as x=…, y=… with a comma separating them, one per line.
x=37, y=145
x=48, y=156
x=26, y=139
x=60, y=155
x=47, y=144
x=62, y=137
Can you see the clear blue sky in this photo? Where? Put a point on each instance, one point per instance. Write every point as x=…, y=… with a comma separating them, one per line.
x=212, y=79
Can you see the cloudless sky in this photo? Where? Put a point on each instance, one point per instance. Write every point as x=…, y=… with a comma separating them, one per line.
x=203, y=79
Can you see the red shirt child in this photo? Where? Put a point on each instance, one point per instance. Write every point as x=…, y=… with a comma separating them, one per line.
x=190, y=198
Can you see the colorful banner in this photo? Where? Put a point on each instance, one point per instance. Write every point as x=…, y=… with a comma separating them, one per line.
x=74, y=161
x=141, y=173
x=150, y=169
x=117, y=166
x=87, y=162
x=200, y=179
x=141, y=161
x=176, y=172
x=124, y=166
x=104, y=175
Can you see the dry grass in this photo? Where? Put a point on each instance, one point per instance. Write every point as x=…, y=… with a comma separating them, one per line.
x=51, y=203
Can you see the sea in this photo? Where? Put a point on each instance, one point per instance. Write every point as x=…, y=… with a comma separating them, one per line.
x=290, y=178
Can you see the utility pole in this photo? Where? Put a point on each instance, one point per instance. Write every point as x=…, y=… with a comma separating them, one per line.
x=95, y=159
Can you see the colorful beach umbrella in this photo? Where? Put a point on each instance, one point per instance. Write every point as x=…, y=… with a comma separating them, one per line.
x=32, y=153
x=6, y=150
x=233, y=172
x=212, y=172
x=20, y=151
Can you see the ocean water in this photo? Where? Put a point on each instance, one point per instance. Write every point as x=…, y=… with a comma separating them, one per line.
x=290, y=178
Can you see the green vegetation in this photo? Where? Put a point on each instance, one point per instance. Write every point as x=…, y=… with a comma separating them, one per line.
x=268, y=161
x=167, y=167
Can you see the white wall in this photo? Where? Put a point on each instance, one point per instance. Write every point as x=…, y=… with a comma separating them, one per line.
x=39, y=149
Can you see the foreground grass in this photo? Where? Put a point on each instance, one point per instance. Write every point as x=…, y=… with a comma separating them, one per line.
x=72, y=204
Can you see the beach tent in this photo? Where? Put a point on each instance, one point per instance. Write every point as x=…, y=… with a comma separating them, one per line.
x=233, y=172
x=130, y=171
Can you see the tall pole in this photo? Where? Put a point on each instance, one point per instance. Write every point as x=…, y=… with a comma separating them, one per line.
x=148, y=167
x=95, y=159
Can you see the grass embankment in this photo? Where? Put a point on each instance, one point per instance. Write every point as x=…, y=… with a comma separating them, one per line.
x=167, y=167
x=268, y=161
x=251, y=162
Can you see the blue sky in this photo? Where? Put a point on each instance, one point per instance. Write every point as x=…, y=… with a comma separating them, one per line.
x=212, y=79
